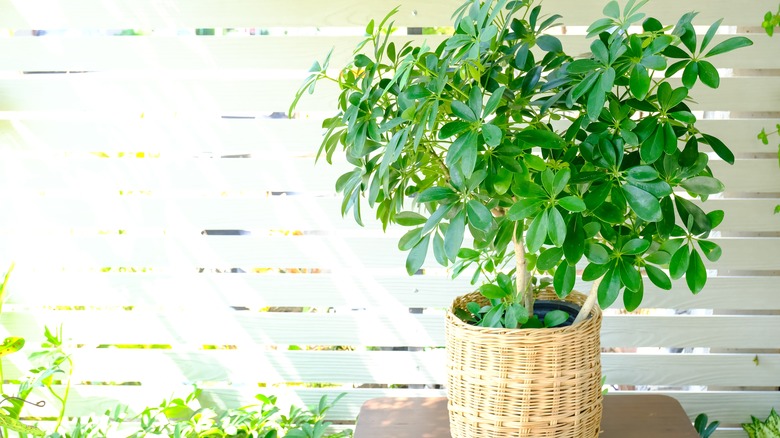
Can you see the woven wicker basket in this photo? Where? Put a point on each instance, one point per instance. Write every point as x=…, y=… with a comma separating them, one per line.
x=539, y=383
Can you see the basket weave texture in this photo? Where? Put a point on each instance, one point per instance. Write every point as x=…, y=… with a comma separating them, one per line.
x=539, y=383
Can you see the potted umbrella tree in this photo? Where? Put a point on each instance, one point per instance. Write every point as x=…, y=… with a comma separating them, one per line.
x=509, y=158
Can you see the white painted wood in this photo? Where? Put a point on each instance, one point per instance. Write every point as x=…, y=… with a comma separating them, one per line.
x=74, y=53
x=188, y=135
x=364, y=328
x=249, y=367
x=300, y=212
x=147, y=14
x=242, y=92
x=255, y=291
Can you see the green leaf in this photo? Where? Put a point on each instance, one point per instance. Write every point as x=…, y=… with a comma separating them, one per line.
x=658, y=277
x=642, y=174
x=710, y=34
x=438, y=249
x=715, y=217
x=610, y=213
x=463, y=111
x=635, y=247
x=729, y=45
x=409, y=218
x=542, y=138
x=653, y=147
x=600, y=51
x=690, y=74
x=11, y=345
x=609, y=289
x=612, y=9
x=594, y=271
x=516, y=312
x=549, y=258
x=629, y=276
x=453, y=238
x=492, y=292
x=711, y=250
x=493, y=102
x=703, y=185
x=410, y=239
x=639, y=82
x=596, y=253
x=549, y=43
x=658, y=258
x=462, y=148
x=572, y=204
x=529, y=189
x=555, y=318
x=560, y=181
x=475, y=101
x=416, y=257
x=719, y=148
x=633, y=299
x=479, y=215
x=687, y=210
x=436, y=194
x=708, y=74
x=564, y=279
x=557, y=227
x=537, y=232
x=436, y=217
x=696, y=274
x=645, y=205
x=679, y=263
x=524, y=208
x=453, y=128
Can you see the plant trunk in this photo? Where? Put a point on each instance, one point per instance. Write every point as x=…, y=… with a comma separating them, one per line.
x=521, y=269
x=589, y=302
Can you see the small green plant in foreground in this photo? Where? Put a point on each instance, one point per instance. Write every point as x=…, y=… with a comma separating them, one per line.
x=769, y=428
x=704, y=429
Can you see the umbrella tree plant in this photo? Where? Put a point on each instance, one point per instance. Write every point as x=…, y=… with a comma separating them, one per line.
x=548, y=162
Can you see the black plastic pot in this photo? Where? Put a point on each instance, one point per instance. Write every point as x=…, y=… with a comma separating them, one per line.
x=542, y=307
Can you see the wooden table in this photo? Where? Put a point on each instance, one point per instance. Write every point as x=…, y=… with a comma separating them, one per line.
x=624, y=416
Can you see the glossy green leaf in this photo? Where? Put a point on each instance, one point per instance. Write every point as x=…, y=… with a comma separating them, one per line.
x=524, y=208
x=711, y=250
x=493, y=102
x=679, y=263
x=696, y=274
x=688, y=211
x=519, y=312
x=629, y=276
x=645, y=205
x=541, y=138
x=574, y=246
x=549, y=43
x=710, y=34
x=537, y=232
x=554, y=318
x=436, y=217
x=670, y=139
x=653, y=147
x=658, y=277
x=690, y=74
x=728, y=45
x=410, y=239
x=463, y=111
x=635, y=247
x=658, y=257
x=610, y=213
x=572, y=204
x=529, y=189
x=409, y=218
x=453, y=128
x=557, y=227
x=416, y=257
x=547, y=180
x=564, y=279
x=436, y=194
x=535, y=162
x=708, y=74
x=438, y=249
x=596, y=253
x=642, y=174
x=703, y=185
x=594, y=271
x=609, y=289
x=453, y=238
x=493, y=317
x=479, y=216
x=719, y=148
x=715, y=217
x=549, y=258
x=492, y=292
x=612, y=9
x=560, y=181
x=633, y=299
x=639, y=82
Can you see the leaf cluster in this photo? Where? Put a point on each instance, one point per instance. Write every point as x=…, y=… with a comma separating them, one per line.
x=498, y=139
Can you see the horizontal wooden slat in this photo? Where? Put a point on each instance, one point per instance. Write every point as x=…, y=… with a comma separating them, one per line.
x=225, y=94
x=187, y=136
x=364, y=328
x=218, y=291
x=133, y=14
x=249, y=367
x=108, y=53
x=331, y=252
x=271, y=174
x=300, y=213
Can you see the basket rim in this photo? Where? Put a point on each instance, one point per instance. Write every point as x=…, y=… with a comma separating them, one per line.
x=593, y=318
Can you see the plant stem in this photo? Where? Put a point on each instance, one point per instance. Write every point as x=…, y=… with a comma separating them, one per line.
x=521, y=268
x=587, y=306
